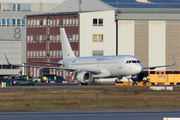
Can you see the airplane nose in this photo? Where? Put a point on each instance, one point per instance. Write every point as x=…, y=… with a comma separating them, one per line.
x=138, y=68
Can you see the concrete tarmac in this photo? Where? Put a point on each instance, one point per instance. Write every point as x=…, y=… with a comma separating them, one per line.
x=114, y=114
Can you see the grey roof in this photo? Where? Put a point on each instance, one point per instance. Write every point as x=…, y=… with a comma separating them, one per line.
x=84, y=5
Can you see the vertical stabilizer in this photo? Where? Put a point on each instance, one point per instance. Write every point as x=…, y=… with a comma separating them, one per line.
x=66, y=48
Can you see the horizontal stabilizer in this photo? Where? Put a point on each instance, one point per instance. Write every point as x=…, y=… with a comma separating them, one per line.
x=44, y=62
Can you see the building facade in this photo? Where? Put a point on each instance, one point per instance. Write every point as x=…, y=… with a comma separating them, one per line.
x=43, y=39
x=13, y=30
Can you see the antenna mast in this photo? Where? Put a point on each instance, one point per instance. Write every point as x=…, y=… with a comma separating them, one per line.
x=80, y=2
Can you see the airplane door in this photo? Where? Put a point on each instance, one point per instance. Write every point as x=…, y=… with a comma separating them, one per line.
x=120, y=63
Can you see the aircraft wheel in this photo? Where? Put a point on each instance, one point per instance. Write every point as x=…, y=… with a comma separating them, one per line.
x=135, y=84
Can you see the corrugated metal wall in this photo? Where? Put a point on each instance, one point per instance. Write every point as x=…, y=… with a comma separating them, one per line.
x=173, y=43
x=141, y=41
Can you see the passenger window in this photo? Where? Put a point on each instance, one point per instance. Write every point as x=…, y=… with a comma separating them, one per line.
x=157, y=73
x=162, y=72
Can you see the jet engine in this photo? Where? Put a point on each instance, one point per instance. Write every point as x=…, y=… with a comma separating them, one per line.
x=84, y=77
x=140, y=76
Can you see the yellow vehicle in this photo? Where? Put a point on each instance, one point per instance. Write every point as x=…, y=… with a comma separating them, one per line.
x=164, y=77
x=141, y=83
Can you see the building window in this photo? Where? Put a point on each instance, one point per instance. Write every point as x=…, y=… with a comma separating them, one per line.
x=70, y=38
x=70, y=22
x=77, y=38
x=44, y=38
x=74, y=38
x=51, y=23
x=54, y=54
x=100, y=22
x=51, y=38
x=57, y=38
x=23, y=22
x=0, y=7
x=29, y=22
x=31, y=38
x=61, y=22
x=18, y=22
x=3, y=22
x=37, y=23
x=8, y=22
x=37, y=54
x=51, y=54
x=54, y=23
x=44, y=22
x=74, y=22
x=67, y=22
x=57, y=53
x=14, y=22
x=77, y=22
x=57, y=23
x=0, y=22
x=37, y=38
x=40, y=54
x=34, y=54
x=60, y=54
x=34, y=23
x=41, y=22
x=44, y=54
x=28, y=53
x=18, y=7
x=97, y=38
x=14, y=7
x=64, y=22
x=28, y=39
x=97, y=22
x=31, y=54
x=98, y=53
x=34, y=40
x=40, y=39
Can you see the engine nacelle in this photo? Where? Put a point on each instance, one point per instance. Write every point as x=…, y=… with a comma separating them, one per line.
x=84, y=77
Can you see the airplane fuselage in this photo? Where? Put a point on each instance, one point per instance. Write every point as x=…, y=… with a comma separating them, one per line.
x=110, y=66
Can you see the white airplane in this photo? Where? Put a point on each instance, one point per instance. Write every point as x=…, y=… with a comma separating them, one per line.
x=87, y=68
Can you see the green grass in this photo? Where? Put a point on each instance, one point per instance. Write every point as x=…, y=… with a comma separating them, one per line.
x=100, y=97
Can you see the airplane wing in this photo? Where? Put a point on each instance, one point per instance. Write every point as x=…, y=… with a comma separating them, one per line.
x=151, y=68
x=54, y=63
x=58, y=68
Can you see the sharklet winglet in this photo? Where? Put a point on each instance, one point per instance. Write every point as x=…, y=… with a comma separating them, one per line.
x=7, y=59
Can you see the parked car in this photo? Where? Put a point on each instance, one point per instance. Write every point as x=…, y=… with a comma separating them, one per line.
x=22, y=81
x=8, y=81
x=37, y=78
x=58, y=79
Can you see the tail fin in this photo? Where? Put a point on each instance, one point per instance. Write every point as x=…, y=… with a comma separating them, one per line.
x=66, y=48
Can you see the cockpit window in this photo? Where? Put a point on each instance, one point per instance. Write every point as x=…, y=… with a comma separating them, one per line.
x=132, y=61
